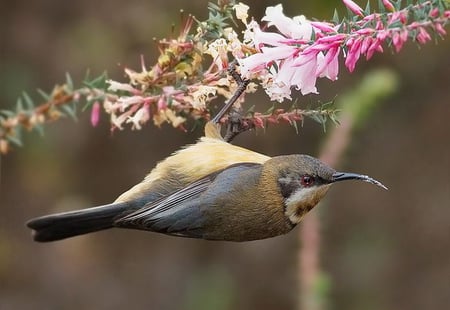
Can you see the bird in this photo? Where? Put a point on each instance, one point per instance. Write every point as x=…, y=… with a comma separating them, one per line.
x=211, y=190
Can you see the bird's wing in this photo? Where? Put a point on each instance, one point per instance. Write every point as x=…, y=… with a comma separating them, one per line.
x=178, y=213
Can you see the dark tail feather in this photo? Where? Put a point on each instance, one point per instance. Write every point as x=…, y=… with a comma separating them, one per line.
x=69, y=224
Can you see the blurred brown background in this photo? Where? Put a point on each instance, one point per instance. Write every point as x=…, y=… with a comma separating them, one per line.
x=381, y=250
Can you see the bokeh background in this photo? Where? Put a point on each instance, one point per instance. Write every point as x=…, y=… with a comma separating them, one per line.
x=380, y=250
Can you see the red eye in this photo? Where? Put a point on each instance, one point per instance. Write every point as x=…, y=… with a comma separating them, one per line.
x=307, y=180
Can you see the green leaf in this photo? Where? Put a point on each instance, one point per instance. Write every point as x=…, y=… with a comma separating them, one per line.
x=313, y=35
x=98, y=82
x=69, y=82
x=70, y=110
x=334, y=118
x=213, y=7
x=367, y=9
x=7, y=113
x=335, y=18
x=381, y=8
x=28, y=100
x=15, y=140
x=40, y=129
x=251, y=110
x=43, y=94
x=19, y=105
x=398, y=4
x=295, y=125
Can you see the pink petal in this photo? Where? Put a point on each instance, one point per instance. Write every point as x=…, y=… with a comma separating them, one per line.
x=329, y=65
x=267, y=38
x=305, y=77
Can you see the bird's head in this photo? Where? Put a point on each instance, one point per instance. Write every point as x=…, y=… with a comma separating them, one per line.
x=304, y=180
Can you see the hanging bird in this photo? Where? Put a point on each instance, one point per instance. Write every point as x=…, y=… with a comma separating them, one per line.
x=210, y=190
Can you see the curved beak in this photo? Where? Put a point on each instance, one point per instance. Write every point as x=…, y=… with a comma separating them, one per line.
x=342, y=176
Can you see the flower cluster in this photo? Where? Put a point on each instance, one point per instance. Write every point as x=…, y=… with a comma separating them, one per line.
x=176, y=86
x=300, y=51
x=278, y=54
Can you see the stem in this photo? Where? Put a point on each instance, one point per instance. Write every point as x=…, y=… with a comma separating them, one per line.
x=309, y=234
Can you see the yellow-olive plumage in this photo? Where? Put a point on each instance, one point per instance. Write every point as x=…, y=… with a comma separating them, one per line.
x=211, y=190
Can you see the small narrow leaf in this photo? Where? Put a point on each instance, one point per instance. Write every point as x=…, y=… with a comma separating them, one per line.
x=335, y=18
x=15, y=140
x=19, y=105
x=28, y=101
x=295, y=125
x=70, y=111
x=40, y=129
x=398, y=4
x=7, y=113
x=43, y=94
x=69, y=81
x=367, y=9
x=251, y=110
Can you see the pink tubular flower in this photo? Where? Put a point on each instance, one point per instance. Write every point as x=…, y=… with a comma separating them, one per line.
x=388, y=5
x=257, y=62
x=329, y=66
x=423, y=36
x=374, y=46
x=353, y=54
x=440, y=29
x=322, y=26
x=95, y=114
x=352, y=6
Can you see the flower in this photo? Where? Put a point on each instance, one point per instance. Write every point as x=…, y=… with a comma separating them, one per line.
x=388, y=5
x=169, y=116
x=297, y=28
x=352, y=6
x=291, y=58
x=423, y=36
x=241, y=11
x=140, y=117
x=95, y=114
x=201, y=95
x=218, y=51
x=116, y=86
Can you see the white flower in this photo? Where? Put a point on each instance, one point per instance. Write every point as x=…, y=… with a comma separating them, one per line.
x=241, y=11
x=218, y=51
x=140, y=117
x=201, y=95
x=116, y=86
x=297, y=28
x=125, y=102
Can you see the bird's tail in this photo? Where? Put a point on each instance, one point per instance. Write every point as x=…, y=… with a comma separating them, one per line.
x=69, y=224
